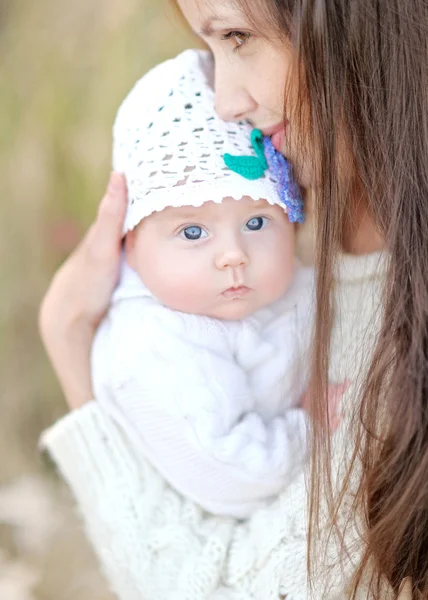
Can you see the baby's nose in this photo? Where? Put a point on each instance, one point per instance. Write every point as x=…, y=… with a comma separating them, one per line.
x=232, y=259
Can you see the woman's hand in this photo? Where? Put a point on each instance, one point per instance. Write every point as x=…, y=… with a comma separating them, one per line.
x=335, y=394
x=406, y=591
x=79, y=295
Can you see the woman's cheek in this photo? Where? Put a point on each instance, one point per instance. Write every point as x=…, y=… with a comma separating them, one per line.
x=301, y=161
x=305, y=176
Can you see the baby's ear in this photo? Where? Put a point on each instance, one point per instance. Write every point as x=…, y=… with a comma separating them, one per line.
x=130, y=248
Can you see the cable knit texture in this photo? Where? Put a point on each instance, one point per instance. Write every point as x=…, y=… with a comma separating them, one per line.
x=155, y=545
x=213, y=404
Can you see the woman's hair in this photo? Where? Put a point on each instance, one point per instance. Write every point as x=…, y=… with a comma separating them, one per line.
x=363, y=74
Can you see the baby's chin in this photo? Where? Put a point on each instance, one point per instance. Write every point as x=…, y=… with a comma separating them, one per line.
x=234, y=310
x=231, y=310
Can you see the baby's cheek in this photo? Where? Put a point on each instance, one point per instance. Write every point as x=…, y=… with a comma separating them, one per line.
x=279, y=269
x=276, y=283
x=185, y=292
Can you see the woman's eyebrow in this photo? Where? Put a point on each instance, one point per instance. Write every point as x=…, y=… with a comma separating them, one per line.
x=207, y=28
x=220, y=20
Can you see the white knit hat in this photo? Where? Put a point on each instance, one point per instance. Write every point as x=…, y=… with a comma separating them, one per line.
x=169, y=142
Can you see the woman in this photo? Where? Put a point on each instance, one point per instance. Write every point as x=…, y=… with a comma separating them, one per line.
x=354, y=123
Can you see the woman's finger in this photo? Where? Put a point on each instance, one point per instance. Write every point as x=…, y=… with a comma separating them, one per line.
x=105, y=235
x=405, y=591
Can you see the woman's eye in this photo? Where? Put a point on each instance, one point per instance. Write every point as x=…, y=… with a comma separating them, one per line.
x=256, y=223
x=193, y=232
x=238, y=37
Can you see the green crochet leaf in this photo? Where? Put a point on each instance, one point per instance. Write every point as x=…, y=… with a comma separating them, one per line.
x=250, y=167
x=257, y=143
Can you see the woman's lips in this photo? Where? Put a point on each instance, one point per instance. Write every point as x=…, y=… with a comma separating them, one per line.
x=238, y=292
x=276, y=134
x=278, y=140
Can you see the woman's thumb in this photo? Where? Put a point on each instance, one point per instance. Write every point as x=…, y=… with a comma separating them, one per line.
x=105, y=235
x=112, y=208
x=113, y=205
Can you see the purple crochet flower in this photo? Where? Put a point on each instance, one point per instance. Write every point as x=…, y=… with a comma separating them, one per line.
x=287, y=187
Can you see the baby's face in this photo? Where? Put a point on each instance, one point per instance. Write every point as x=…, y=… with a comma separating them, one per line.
x=220, y=260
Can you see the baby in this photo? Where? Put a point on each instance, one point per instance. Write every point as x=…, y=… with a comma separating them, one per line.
x=201, y=357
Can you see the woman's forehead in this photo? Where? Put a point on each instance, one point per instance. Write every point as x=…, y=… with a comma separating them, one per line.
x=206, y=15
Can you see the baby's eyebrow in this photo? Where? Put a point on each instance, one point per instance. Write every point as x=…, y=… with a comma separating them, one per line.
x=188, y=215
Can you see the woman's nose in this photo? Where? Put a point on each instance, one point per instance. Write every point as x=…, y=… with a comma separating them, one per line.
x=233, y=102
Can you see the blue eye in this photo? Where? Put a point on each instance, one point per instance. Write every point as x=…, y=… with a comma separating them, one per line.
x=256, y=223
x=193, y=232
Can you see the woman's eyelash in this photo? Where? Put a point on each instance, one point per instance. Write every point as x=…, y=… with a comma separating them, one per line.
x=237, y=34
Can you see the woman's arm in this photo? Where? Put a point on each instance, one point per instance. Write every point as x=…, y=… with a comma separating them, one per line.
x=155, y=545
x=152, y=544
x=79, y=295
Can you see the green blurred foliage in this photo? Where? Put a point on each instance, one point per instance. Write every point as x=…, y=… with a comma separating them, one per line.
x=65, y=67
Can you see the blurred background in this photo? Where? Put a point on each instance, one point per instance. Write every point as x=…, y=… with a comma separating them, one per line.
x=64, y=69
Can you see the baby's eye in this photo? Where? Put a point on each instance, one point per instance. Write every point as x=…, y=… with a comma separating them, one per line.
x=257, y=223
x=193, y=232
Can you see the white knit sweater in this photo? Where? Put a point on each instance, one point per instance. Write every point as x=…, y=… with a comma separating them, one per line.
x=155, y=545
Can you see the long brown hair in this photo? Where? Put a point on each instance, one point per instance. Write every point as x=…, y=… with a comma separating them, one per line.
x=363, y=71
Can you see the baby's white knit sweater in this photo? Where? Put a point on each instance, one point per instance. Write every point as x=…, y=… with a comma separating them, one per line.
x=213, y=404
x=155, y=545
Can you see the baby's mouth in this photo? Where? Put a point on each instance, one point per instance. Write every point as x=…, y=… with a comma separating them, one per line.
x=236, y=292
